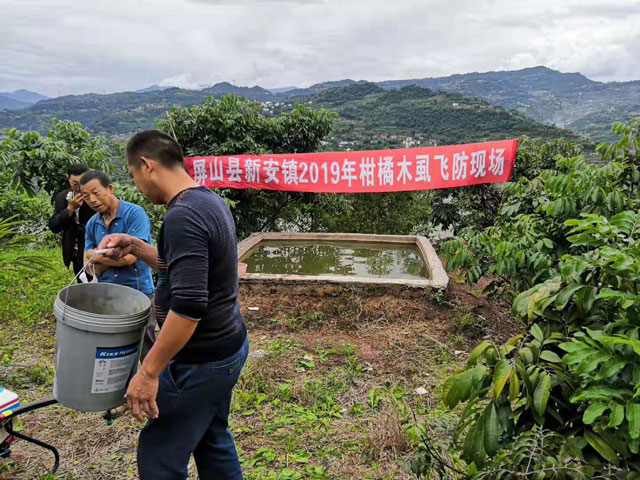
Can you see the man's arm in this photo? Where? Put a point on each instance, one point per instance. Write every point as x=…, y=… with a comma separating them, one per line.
x=89, y=250
x=175, y=333
x=143, y=389
x=138, y=227
x=121, y=245
x=108, y=262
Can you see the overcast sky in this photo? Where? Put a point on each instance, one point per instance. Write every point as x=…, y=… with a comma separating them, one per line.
x=59, y=47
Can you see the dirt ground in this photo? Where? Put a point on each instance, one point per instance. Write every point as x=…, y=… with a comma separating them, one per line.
x=329, y=390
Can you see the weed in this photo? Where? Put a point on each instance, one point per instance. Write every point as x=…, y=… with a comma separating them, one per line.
x=303, y=321
x=6, y=355
x=279, y=346
x=41, y=374
x=464, y=319
x=441, y=297
x=307, y=362
x=356, y=410
x=442, y=355
x=374, y=398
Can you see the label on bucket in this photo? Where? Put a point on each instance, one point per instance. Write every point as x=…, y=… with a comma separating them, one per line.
x=113, y=367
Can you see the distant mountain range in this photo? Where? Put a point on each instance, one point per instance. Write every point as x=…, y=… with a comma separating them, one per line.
x=19, y=99
x=568, y=100
x=371, y=117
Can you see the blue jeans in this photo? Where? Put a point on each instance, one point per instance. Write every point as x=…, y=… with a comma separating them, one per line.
x=194, y=402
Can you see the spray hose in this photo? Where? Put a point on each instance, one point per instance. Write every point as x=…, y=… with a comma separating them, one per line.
x=6, y=420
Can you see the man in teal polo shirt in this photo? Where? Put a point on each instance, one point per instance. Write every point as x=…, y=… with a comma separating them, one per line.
x=114, y=215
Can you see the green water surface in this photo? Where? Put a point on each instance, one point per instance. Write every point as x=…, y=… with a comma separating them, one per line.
x=376, y=260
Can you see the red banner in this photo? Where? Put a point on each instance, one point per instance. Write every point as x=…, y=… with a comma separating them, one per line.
x=361, y=172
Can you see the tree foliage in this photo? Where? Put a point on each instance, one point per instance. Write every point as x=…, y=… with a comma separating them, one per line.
x=234, y=125
x=39, y=163
x=568, y=240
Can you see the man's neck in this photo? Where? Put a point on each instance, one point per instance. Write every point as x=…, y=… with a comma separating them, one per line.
x=174, y=182
x=112, y=210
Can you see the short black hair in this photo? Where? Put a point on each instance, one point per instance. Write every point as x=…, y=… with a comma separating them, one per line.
x=77, y=169
x=102, y=177
x=155, y=145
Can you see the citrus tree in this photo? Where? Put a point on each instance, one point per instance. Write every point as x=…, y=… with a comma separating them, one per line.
x=233, y=125
x=562, y=399
x=38, y=163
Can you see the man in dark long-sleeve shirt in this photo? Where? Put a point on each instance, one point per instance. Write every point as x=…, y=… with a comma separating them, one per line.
x=185, y=382
x=70, y=218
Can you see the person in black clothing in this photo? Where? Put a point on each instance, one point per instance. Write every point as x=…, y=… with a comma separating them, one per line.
x=186, y=380
x=70, y=217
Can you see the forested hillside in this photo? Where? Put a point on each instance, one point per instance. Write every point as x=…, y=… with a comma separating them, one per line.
x=568, y=100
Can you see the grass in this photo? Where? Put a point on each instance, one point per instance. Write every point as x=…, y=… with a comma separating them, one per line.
x=329, y=391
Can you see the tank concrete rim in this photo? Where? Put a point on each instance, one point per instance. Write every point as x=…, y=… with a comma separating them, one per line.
x=438, y=276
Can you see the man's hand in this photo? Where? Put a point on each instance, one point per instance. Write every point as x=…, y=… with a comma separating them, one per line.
x=120, y=244
x=74, y=203
x=96, y=268
x=141, y=396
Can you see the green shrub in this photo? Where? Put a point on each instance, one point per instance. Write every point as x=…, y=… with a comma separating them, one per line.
x=32, y=212
x=39, y=163
x=569, y=239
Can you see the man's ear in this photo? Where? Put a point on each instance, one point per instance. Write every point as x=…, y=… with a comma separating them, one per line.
x=146, y=163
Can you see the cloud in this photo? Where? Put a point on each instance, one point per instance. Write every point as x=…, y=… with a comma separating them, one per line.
x=241, y=3
x=73, y=46
x=182, y=80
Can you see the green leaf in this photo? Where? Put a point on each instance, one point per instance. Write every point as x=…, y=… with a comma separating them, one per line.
x=633, y=417
x=475, y=354
x=478, y=374
x=541, y=395
x=618, y=443
x=471, y=449
x=574, y=346
x=527, y=355
x=514, y=386
x=594, y=412
x=478, y=443
x=597, y=393
x=550, y=356
x=491, y=429
x=537, y=332
x=611, y=368
x=458, y=388
x=601, y=447
x=626, y=299
x=588, y=296
x=504, y=417
x=591, y=363
x=617, y=415
x=500, y=377
x=578, y=356
x=566, y=294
